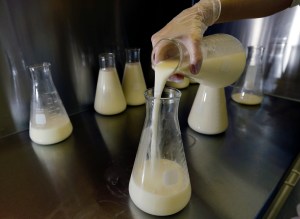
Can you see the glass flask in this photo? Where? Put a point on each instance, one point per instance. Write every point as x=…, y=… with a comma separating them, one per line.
x=109, y=98
x=160, y=183
x=224, y=59
x=133, y=82
x=49, y=121
x=249, y=88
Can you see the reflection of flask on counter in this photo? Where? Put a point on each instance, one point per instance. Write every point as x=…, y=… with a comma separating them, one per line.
x=133, y=82
x=49, y=121
x=249, y=88
x=109, y=98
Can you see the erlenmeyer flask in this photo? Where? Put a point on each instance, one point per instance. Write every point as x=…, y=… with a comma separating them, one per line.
x=224, y=59
x=133, y=82
x=49, y=121
x=109, y=98
x=160, y=183
x=248, y=89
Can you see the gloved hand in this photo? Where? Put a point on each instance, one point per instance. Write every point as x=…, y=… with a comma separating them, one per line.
x=188, y=28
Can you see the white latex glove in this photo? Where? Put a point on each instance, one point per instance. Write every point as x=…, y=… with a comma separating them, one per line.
x=188, y=27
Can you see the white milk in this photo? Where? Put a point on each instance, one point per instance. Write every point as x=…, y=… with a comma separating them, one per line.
x=133, y=84
x=248, y=99
x=221, y=71
x=163, y=71
x=215, y=71
x=164, y=192
x=109, y=98
x=56, y=129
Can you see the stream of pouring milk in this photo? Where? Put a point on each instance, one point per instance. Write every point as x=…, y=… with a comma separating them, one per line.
x=163, y=71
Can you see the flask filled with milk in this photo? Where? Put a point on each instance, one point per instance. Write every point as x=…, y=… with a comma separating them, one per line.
x=160, y=183
x=109, y=98
x=133, y=82
x=49, y=121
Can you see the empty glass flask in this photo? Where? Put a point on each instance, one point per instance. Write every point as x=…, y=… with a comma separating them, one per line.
x=49, y=121
x=248, y=89
x=133, y=82
x=160, y=183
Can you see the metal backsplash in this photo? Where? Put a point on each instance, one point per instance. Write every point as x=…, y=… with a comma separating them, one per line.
x=71, y=34
x=280, y=35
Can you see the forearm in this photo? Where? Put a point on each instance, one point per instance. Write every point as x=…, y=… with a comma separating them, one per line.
x=242, y=9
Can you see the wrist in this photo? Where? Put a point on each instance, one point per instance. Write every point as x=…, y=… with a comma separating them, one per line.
x=208, y=10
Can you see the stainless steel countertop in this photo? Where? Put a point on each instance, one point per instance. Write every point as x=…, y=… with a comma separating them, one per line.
x=233, y=175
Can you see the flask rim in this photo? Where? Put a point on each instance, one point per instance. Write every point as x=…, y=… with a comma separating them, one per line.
x=173, y=93
x=39, y=65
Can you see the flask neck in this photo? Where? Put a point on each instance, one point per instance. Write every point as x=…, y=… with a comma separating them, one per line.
x=41, y=77
x=255, y=55
x=132, y=55
x=107, y=60
x=167, y=103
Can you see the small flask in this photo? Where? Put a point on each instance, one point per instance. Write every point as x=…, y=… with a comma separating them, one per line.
x=133, y=82
x=208, y=113
x=109, y=98
x=160, y=183
x=49, y=121
x=248, y=89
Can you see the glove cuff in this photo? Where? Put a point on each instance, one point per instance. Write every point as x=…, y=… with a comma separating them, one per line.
x=209, y=11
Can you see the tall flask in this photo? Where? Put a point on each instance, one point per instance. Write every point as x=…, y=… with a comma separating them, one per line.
x=109, y=98
x=49, y=121
x=160, y=183
x=133, y=82
x=249, y=88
